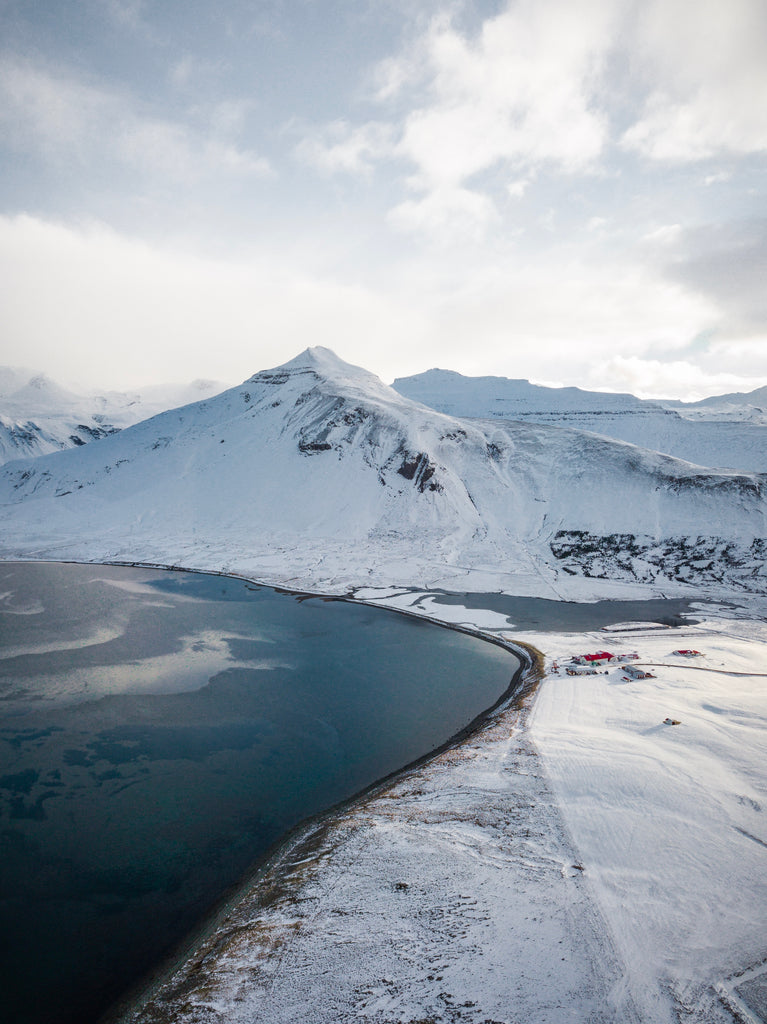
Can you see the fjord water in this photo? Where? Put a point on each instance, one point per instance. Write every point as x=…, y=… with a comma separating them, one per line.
x=160, y=730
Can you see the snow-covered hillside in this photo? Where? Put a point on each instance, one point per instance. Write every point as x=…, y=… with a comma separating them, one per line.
x=38, y=416
x=749, y=406
x=316, y=470
x=729, y=431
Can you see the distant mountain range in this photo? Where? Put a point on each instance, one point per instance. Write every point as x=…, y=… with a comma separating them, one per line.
x=729, y=431
x=315, y=474
x=38, y=416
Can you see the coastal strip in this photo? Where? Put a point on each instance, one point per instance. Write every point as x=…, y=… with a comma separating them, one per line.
x=590, y=852
x=310, y=834
x=430, y=897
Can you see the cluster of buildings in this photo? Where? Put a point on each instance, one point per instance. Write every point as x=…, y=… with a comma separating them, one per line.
x=588, y=664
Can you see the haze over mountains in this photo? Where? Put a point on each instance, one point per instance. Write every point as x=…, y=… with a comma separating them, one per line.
x=38, y=416
x=315, y=473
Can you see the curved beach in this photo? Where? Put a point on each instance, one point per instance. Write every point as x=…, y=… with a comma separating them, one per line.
x=503, y=880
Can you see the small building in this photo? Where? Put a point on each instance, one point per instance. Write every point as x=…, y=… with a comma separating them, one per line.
x=635, y=672
x=689, y=654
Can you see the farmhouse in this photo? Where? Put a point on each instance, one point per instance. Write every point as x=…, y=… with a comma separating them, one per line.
x=593, y=660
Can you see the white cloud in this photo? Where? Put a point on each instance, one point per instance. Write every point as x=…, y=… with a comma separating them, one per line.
x=520, y=93
x=558, y=316
x=750, y=353
x=718, y=178
x=517, y=94
x=341, y=147
x=540, y=89
x=90, y=306
x=445, y=213
x=516, y=189
x=652, y=378
x=706, y=70
x=665, y=235
x=63, y=118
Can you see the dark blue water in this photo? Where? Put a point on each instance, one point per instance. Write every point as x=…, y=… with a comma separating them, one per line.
x=159, y=731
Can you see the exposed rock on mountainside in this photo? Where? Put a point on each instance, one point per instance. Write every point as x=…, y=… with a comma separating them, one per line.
x=317, y=469
x=645, y=559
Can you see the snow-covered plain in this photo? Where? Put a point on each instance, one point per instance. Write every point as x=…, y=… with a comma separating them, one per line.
x=669, y=819
x=577, y=860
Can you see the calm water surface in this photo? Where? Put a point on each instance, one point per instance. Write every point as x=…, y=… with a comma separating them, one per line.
x=158, y=731
x=540, y=613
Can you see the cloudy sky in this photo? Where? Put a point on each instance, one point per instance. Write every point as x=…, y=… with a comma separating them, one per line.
x=571, y=191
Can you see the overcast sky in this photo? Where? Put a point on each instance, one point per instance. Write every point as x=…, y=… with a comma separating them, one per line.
x=571, y=191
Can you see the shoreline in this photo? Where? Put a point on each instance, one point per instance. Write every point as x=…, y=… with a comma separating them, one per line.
x=308, y=833
x=502, y=880
x=306, y=838
x=511, y=862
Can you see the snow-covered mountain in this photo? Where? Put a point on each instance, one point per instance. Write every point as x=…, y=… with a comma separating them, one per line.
x=38, y=416
x=729, y=431
x=316, y=472
x=738, y=406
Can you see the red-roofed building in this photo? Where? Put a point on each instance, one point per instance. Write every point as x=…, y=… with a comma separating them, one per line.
x=600, y=658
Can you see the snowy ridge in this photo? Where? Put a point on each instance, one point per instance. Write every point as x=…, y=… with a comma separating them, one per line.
x=315, y=469
x=729, y=431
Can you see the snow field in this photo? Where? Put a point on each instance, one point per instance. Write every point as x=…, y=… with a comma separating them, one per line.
x=315, y=471
x=669, y=820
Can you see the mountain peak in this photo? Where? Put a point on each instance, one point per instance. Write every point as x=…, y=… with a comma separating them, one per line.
x=320, y=359
x=325, y=363
x=328, y=367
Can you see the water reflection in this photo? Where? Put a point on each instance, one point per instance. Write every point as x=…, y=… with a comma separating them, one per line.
x=160, y=730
